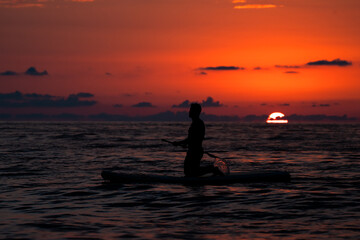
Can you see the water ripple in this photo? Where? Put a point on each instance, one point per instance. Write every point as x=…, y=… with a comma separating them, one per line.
x=51, y=186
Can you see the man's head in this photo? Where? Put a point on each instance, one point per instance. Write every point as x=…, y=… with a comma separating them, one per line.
x=195, y=110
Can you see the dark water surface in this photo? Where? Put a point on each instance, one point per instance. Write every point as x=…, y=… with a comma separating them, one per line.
x=50, y=184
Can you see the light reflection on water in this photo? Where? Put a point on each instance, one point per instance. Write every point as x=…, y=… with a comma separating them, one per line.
x=51, y=187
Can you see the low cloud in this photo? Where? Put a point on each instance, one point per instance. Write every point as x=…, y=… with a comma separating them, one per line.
x=221, y=68
x=35, y=3
x=18, y=99
x=143, y=105
x=287, y=66
x=83, y=1
x=265, y=104
x=284, y=104
x=242, y=4
x=85, y=95
x=335, y=62
x=209, y=102
x=320, y=118
x=31, y=71
x=321, y=105
x=255, y=6
x=8, y=73
x=184, y=104
x=118, y=105
x=22, y=3
x=129, y=95
x=280, y=104
x=172, y=116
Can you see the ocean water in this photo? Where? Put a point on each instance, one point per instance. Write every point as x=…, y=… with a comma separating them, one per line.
x=51, y=188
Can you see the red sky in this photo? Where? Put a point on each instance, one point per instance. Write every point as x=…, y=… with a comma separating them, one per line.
x=165, y=52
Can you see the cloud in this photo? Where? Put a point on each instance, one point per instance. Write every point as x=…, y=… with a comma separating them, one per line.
x=118, y=105
x=8, y=73
x=258, y=68
x=184, y=104
x=129, y=95
x=34, y=3
x=22, y=3
x=85, y=95
x=265, y=104
x=321, y=105
x=255, y=6
x=83, y=1
x=143, y=105
x=245, y=5
x=287, y=66
x=33, y=72
x=281, y=104
x=320, y=117
x=285, y=104
x=335, y=62
x=303, y=118
x=221, y=68
x=18, y=99
x=179, y=116
x=171, y=116
x=209, y=102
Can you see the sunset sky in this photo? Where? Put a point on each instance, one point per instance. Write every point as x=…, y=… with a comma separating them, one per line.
x=139, y=57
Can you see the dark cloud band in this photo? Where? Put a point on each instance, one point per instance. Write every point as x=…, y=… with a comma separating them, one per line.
x=288, y=66
x=18, y=100
x=335, y=62
x=184, y=104
x=221, y=68
x=30, y=72
x=143, y=105
x=209, y=102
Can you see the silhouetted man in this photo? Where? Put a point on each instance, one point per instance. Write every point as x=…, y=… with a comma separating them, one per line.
x=195, y=150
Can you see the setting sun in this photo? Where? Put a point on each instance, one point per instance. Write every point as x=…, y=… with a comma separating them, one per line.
x=276, y=117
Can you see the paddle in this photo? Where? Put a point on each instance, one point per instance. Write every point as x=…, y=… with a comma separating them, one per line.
x=219, y=162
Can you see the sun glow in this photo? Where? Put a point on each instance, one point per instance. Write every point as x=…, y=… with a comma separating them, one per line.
x=276, y=117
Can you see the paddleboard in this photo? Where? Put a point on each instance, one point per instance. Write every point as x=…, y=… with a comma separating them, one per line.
x=236, y=177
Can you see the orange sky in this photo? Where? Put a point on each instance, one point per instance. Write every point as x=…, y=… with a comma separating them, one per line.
x=130, y=51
